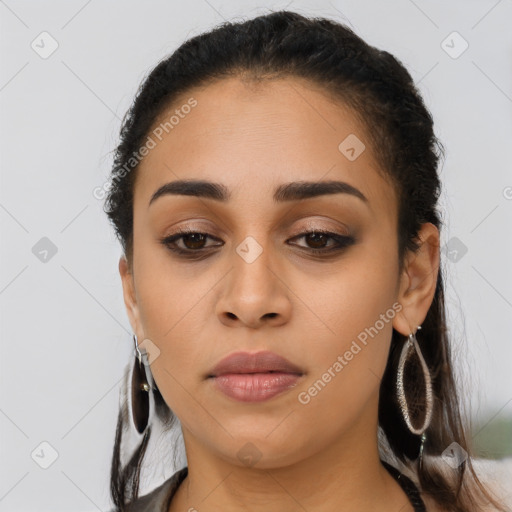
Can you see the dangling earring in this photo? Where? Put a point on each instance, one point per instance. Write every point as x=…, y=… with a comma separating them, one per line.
x=140, y=392
x=409, y=346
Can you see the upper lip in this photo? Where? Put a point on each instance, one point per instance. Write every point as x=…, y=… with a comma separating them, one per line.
x=259, y=362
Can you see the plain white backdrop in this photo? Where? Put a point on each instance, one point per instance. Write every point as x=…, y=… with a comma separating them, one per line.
x=64, y=331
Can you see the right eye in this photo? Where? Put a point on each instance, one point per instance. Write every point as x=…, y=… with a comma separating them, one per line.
x=193, y=242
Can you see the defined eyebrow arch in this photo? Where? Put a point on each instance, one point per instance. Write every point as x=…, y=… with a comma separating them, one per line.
x=292, y=191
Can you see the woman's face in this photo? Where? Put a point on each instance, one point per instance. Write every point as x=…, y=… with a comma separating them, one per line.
x=255, y=283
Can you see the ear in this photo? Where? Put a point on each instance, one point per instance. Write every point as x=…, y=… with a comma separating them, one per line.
x=418, y=281
x=129, y=295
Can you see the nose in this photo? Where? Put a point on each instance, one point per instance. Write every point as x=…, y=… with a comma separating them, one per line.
x=254, y=294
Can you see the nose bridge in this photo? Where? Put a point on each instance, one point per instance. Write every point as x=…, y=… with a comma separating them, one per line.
x=251, y=275
x=253, y=290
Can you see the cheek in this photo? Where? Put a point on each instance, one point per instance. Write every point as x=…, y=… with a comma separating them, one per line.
x=172, y=310
x=354, y=296
x=169, y=301
x=357, y=306
x=168, y=292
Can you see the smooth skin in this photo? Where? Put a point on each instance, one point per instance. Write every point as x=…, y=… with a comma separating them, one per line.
x=323, y=455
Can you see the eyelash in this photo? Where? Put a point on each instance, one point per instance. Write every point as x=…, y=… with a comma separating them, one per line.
x=343, y=242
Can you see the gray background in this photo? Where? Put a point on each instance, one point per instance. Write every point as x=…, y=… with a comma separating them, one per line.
x=64, y=331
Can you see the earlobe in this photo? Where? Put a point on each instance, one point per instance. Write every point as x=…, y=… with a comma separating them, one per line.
x=129, y=294
x=418, y=281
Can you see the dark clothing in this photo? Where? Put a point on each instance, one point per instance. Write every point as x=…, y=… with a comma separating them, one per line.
x=496, y=475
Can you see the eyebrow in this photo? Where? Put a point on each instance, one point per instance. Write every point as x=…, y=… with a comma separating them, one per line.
x=292, y=191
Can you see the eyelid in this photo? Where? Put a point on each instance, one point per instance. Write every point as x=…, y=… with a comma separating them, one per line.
x=340, y=230
x=192, y=227
x=183, y=231
x=308, y=228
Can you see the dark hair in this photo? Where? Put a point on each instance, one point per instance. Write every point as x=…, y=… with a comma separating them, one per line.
x=381, y=93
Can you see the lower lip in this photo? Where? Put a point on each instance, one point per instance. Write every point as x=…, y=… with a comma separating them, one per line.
x=255, y=387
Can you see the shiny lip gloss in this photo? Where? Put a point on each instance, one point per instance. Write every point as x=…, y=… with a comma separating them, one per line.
x=254, y=377
x=255, y=387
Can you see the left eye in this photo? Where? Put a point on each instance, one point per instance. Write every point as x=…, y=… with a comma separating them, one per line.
x=319, y=240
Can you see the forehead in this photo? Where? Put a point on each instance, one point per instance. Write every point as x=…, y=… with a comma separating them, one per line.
x=254, y=136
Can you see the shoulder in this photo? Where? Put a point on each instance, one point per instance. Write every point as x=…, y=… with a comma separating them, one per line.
x=159, y=499
x=495, y=475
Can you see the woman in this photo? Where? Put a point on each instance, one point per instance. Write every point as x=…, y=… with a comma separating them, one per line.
x=275, y=194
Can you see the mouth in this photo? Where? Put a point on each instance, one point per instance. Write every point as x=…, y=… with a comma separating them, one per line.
x=255, y=377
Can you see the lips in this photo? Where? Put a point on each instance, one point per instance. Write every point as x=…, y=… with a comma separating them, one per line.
x=259, y=362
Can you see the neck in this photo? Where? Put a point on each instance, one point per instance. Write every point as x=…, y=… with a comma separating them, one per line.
x=346, y=476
